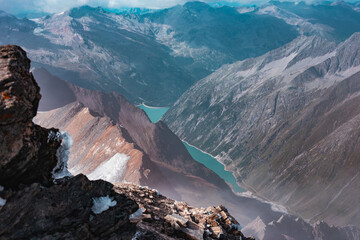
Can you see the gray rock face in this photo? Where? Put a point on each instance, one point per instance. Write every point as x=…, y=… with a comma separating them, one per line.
x=271, y=120
x=288, y=227
x=335, y=21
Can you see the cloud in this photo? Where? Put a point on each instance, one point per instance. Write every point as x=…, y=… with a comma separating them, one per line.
x=55, y=6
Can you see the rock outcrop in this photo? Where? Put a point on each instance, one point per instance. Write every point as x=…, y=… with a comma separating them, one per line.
x=31, y=205
x=66, y=211
x=27, y=154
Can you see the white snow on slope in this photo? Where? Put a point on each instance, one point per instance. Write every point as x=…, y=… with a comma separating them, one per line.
x=62, y=154
x=112, y=170
x=102, y=204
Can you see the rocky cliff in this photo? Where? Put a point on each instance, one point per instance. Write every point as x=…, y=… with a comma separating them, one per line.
x=24, y=145
x=39, y=199
x=32, y=205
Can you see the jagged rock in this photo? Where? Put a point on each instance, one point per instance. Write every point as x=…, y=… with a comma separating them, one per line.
x=27, y=155
x=65, y=211
x=177, y=220
x=289, y=227
x=20, y=94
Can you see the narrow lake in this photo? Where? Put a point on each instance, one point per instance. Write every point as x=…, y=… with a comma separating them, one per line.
x=155, y=114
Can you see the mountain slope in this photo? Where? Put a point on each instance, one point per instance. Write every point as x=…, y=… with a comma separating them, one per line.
x=335, y=20
x=106, y=125
x=289, y=227
x=284, y=122
x=215, y=36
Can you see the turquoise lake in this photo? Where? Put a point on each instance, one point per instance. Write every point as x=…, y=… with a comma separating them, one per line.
x=155, y=114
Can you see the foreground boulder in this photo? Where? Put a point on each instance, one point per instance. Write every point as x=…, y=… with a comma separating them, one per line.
x=67, y=210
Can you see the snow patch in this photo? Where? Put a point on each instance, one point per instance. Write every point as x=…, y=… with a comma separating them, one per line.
x=207, y=232
x=101, y=204
x=138, y=235
x=235, y=226
x=62, y=154
x=112, y=170
x=274, y=206
x=136, y=214
x=54, y=136
x=277, y=207
x=2, y=202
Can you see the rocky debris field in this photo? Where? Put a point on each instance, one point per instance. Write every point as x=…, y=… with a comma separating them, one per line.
x=169, y=218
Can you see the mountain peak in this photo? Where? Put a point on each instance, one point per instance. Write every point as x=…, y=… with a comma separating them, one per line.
x=84, y=11
x=196, y=5
x=5, y=14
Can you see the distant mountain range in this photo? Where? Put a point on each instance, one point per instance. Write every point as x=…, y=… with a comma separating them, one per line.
x=286, y=124
x=151, y=58
x=154, y=56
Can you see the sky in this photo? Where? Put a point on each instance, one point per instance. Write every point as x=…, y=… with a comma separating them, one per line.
x=55, y=6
